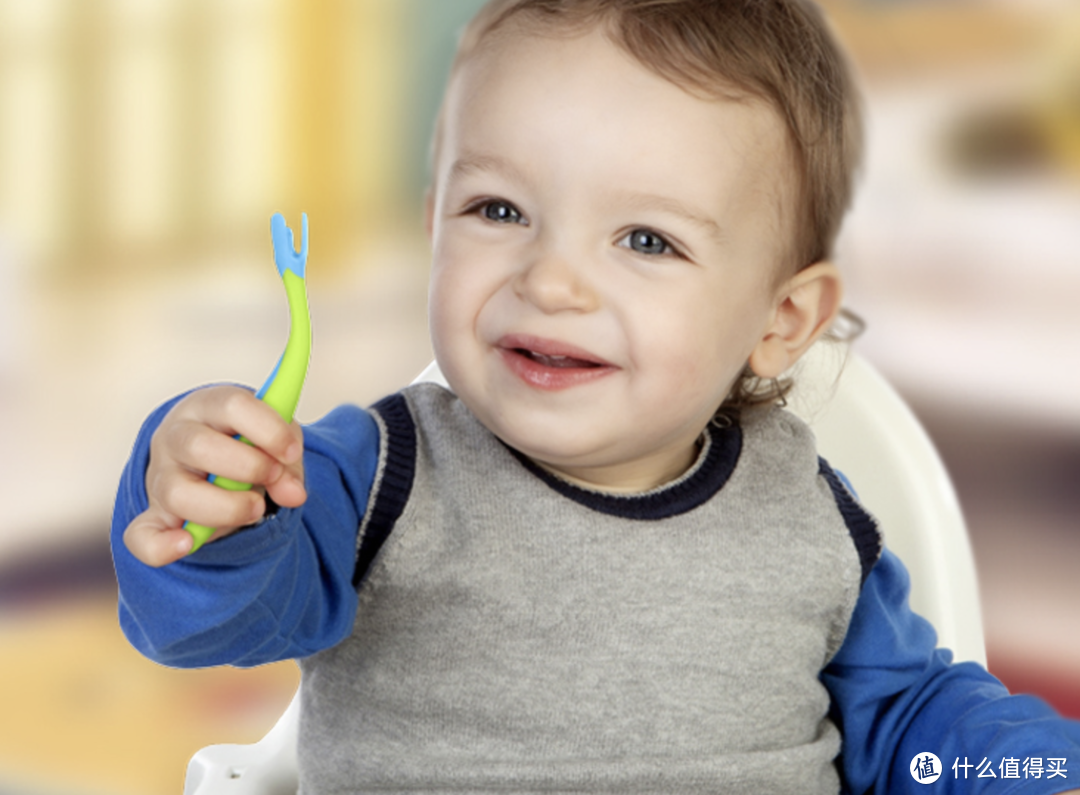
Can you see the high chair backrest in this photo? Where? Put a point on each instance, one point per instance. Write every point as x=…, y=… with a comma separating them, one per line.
x=865, y=431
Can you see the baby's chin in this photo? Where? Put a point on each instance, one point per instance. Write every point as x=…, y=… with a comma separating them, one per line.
x=590, y=463
x=561, y=450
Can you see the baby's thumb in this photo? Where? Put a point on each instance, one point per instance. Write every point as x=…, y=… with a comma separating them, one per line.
x=157, y=539
x=287, y=487
x=287, y=490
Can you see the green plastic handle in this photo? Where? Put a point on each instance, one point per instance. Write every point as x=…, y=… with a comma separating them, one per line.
x=282, y=389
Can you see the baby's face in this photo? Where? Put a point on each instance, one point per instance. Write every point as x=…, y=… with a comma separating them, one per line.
x=606, y=248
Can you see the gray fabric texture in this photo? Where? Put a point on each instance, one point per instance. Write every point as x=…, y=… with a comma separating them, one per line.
x=510, y=639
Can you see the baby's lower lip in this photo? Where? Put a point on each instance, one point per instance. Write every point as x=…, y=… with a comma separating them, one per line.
x=552, y=373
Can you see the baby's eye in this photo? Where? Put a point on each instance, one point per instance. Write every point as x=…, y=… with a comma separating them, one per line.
x=645, y=241
x=500, y=212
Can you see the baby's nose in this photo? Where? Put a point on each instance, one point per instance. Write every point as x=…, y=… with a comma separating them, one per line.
x=554, y=283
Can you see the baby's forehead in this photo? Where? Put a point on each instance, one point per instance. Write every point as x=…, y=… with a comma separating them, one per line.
x=512, y=52
x=504, y=50
x=586, y=68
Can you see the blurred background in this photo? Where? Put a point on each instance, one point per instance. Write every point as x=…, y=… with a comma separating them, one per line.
x=144, y=145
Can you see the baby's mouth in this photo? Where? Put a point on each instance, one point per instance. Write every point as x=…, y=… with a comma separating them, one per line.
x=551, y=365
x=556, y=360
x=551, y=353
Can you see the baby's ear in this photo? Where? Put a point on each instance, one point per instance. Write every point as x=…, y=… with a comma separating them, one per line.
x=806, y=305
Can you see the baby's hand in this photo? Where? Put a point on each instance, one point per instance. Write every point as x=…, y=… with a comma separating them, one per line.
x=196, y=438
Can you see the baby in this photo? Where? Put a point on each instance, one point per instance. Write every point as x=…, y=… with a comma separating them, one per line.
x=605, y=560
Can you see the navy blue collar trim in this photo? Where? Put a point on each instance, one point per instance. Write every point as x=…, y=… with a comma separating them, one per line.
x=708, y=475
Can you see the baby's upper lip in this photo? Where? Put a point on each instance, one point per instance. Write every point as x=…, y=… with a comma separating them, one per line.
x=548, y=347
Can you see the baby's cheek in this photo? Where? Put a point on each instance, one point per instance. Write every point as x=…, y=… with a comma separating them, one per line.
x=452, y=307
x=702, y=372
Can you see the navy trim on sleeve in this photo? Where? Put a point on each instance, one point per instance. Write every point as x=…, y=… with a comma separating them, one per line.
x=395, y=484
x=860, y=524
x=700, y=484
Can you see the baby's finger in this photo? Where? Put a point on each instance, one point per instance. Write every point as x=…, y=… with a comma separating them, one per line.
x=154, y=539
x=205, y=450
x=186, y=494
x=237, y=411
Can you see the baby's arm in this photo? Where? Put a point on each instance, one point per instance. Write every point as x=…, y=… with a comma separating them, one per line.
x=280, y=589
x=895, y=696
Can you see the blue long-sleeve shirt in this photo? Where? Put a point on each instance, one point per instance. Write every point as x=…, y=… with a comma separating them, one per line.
x=284, y=589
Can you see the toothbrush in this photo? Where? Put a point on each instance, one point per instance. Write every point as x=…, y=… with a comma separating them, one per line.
x=282, y=389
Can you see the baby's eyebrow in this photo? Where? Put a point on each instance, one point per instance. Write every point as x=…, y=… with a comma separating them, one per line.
x=667, y=204
x=470, y=163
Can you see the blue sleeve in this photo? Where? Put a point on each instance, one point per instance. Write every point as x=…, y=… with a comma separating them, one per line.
x=896, y=696
x=277, y=590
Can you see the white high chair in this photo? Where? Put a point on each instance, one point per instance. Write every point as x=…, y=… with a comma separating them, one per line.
x=865, y=431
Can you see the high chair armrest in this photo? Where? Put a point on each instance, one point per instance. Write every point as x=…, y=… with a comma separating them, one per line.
x=267, y=767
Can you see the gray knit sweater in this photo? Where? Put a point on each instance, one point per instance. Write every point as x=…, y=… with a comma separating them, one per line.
x=519, y=634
